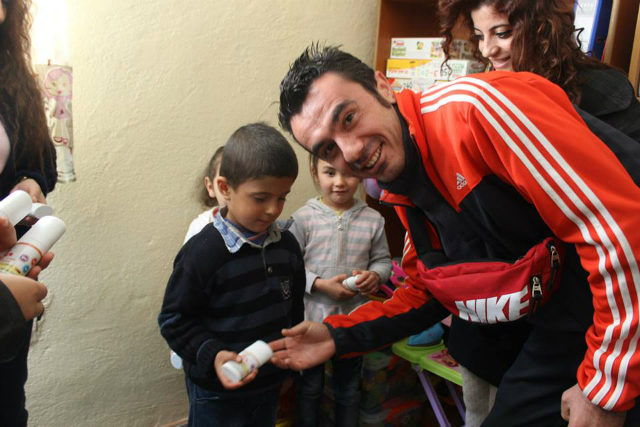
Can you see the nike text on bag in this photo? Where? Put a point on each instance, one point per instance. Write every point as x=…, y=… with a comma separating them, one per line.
x=496, y=291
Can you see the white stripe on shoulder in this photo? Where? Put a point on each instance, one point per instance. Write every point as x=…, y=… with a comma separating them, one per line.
x=438, y=97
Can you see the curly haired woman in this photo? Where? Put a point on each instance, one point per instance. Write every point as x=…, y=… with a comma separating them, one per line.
x=539, y=36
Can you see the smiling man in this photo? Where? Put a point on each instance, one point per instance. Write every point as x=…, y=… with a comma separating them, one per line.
x=496, y=166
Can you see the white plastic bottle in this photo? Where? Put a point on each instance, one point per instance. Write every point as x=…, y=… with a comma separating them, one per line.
x=350, y=283
x=16, y=206
x=254, y=356
x=29, y=249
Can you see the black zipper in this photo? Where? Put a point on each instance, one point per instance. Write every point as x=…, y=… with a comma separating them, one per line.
x=555, y=264
x=535, y=284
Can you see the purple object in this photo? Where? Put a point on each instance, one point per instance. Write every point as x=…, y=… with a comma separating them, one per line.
x=372, y=188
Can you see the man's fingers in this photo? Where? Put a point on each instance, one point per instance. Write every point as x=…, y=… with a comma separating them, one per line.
x=280, y=362
x=299, y=329
x=278, y=345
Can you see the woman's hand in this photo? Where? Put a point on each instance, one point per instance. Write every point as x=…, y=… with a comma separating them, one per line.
x=8, y=239
x=32, y=188
x=27, y=292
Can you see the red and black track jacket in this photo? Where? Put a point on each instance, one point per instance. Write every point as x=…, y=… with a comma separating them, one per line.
x=513, y=160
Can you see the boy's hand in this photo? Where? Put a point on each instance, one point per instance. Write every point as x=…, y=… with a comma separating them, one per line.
x=333, y=288
x=27, y=292
x=368, y=282
x=224, y=356
x=303, y=346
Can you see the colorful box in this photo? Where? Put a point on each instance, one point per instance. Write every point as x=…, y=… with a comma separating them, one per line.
x=432, y=69
x=428, y=48
x=385, y=376
x=405, y=412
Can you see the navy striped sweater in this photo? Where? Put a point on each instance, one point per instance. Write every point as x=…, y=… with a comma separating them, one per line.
x=217, y=300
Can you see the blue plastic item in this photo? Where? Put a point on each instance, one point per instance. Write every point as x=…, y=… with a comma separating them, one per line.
x=431, y=336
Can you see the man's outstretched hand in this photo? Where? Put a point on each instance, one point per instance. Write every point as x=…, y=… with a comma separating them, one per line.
x=303, y=346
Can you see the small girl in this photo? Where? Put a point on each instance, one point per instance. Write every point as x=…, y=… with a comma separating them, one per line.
x=209, y=197
x=339, y=236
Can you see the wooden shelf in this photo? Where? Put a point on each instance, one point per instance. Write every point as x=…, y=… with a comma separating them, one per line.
x=620, y=38
x=634, y=65
x=415, y=18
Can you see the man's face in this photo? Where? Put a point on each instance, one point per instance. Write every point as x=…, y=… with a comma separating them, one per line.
x=345, y=125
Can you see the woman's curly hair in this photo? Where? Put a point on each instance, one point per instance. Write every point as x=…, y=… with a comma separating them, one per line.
x=544, y=38
x=21, y=101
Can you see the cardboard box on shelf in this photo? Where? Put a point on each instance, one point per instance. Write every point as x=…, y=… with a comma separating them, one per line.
x=428, y=48
x=417, y=85
x=432, y=68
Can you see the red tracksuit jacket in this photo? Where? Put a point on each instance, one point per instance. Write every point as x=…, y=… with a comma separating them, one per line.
x=523, y=130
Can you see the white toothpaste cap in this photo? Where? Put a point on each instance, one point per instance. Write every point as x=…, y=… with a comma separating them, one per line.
x=176, y=361
x=16, y=206
x=39, y=210
x=45, y=233
x=233, y=371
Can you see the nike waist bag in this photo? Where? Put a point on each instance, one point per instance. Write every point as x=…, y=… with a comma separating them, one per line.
x=490, y=291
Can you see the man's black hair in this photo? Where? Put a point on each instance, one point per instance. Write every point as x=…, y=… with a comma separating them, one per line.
x=314, y=62
x=256, y=151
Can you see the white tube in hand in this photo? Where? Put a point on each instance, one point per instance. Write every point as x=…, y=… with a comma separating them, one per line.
x=29, y=249
x=350, y=283
x=254, y=356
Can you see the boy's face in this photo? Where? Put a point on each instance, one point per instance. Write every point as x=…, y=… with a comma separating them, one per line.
x=255, y=204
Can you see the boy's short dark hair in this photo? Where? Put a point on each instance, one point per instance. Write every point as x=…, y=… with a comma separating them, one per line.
x=255, y=151
x=314, y=62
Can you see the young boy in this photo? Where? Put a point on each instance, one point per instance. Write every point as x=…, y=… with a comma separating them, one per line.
x=239, y=280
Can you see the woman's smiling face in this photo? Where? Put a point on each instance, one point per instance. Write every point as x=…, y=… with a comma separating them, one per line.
x=494, y=34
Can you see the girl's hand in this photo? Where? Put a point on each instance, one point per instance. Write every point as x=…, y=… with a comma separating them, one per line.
x=224, y=356
x=368, y=282
x=333, y=288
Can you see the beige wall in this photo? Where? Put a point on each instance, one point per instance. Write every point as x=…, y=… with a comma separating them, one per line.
x=158, y=86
